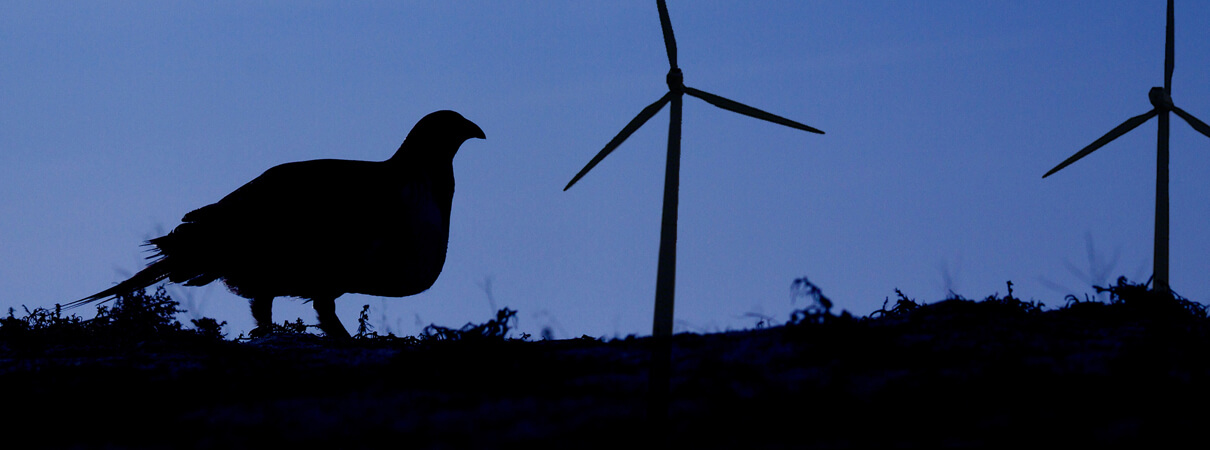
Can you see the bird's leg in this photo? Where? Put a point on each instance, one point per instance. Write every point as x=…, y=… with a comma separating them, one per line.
x=325, y=308
x=262, y=313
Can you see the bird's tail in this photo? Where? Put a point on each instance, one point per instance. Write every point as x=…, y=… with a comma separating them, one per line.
x=152, y=274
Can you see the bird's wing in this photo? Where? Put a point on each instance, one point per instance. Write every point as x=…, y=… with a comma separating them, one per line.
x=287, y=188
x=288, y=213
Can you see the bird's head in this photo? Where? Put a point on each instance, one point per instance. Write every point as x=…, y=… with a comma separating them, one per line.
x=438, y=136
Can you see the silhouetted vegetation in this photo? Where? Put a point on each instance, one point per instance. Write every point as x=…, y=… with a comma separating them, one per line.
x=129, y=319
x=493, y=330
x=1000, y=371
x=1141, y=300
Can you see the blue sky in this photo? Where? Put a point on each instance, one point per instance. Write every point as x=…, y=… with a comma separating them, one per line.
x=941, y=118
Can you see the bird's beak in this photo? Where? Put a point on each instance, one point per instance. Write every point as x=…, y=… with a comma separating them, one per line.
x=476, y=132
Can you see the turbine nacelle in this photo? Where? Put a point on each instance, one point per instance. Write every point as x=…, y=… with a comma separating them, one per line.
x=676, y=80
x=1160, y=99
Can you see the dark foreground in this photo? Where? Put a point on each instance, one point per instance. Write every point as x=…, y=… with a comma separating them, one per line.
x=953, y=374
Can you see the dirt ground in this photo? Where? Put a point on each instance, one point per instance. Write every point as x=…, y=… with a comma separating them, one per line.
x=953, y=374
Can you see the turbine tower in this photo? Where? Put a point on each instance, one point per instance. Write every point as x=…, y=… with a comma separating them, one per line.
x=666, y=272
x=1161, y=102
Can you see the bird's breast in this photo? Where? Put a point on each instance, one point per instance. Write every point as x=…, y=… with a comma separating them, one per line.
x=406, y=256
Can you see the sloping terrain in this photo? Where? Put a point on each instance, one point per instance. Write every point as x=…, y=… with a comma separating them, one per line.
x=952, y=374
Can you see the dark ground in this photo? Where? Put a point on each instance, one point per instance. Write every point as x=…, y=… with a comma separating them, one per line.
x=952, y=374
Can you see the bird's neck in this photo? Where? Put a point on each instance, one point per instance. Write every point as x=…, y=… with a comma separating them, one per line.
x=436, y=176
x=417, y=151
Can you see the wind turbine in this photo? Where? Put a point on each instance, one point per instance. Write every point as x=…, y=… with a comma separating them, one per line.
x=666, y=271
x=1161, y=100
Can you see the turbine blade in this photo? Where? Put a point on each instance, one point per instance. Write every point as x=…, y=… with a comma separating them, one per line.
x=1198, y=125
x=1125, y=127
x=669, y=39
x=1169, y=59
x=629, y=129
x=746, y=110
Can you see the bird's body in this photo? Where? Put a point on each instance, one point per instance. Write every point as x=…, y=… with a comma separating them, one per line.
x=323, y=228
x=285, y=242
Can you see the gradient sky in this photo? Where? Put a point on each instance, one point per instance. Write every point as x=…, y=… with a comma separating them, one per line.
x=941, y=117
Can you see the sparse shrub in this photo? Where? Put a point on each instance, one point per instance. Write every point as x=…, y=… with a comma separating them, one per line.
x=820, y=309
x=297, y=327
x=1015, y=304
x=288, y=327
x=43, y=318
x=134, y=317
x=493, y=330
x=11, y=323
x=1126, y=292
x=139, y=313
x=208, y=327
x=1139, y=298
x=1071, y=300
x=762, y=321
x=39, y=322
x=903, y=306
x=364, y=329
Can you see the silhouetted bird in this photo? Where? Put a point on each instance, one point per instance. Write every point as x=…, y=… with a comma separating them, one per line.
x=320, y=229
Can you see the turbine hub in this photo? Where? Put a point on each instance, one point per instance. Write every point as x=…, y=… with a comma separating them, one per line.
x=1160, y=99
x=676, y=80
